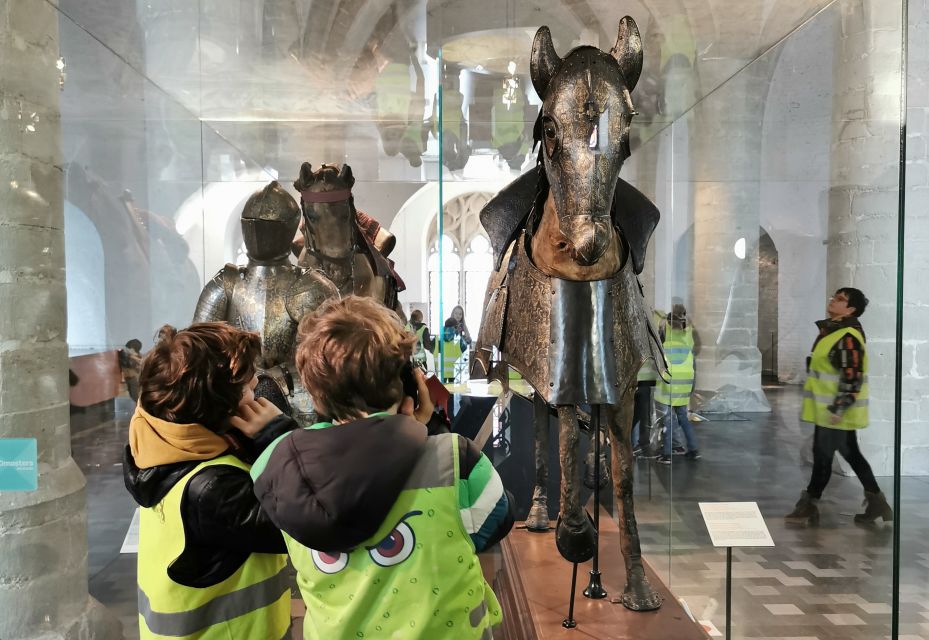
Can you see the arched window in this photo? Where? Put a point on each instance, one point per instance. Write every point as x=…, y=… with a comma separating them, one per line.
x=451, y=281
x=467, y=261
x=478, y=263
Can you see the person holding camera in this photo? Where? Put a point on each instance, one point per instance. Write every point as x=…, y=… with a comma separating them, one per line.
x=210, y=562
x=382, y=521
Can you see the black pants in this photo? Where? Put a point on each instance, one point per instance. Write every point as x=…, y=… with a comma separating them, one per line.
x=642, y=414
x=826, y=442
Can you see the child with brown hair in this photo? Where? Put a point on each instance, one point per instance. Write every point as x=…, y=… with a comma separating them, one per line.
x=210, y=562
x=382, y=521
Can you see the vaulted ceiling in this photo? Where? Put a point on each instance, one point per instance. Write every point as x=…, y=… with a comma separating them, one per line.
x=312, y=72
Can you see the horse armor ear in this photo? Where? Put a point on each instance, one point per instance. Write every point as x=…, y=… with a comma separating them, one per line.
x=306, y=176
x=544, y=60
x=628, y=51
x=345, y=175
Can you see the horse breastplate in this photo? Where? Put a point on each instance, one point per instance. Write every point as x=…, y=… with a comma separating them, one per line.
x=574, y=342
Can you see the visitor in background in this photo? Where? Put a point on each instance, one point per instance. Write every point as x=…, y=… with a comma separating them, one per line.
x=448, y=350
x=677, y=341
x=382, y=522
x=424, y=340
x=130, y=364
x=458, y=318
x=210, y=562
x=835, y=400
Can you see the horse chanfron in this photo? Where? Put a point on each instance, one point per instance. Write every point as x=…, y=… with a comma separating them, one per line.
x=564, y=306
x=584, y=129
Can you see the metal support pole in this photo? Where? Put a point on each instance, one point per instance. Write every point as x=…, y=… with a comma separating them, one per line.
x=570, y=622
x=595, y=588
x=728, y=593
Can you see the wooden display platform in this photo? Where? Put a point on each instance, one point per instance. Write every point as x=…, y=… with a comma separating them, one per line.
x=533, y=582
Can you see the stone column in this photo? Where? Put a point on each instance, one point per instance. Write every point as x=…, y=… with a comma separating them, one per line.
x=863, y=197
x=725, y=151
x=43, y=534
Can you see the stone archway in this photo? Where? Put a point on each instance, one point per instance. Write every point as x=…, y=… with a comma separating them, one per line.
x=768, y=287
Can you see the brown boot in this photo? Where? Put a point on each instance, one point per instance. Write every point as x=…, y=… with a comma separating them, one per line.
x=805, y=511
x=875, y=507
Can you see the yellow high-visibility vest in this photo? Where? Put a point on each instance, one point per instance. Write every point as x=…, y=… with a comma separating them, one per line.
x=822, y=386
x=254, y=602
x=679, y=351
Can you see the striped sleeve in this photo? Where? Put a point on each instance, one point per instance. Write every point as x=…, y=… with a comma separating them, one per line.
x=847, y=356
x=482, y=501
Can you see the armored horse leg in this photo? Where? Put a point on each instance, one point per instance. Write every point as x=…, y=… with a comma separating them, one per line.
x=575, y=535
x=638, y=594
x=590, y=464
x=537, y=519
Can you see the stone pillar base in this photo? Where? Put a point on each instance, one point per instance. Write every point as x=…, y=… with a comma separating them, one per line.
x=96, y=622
x=729, y=380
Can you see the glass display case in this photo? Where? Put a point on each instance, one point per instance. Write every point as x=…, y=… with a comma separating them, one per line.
x=783, y=144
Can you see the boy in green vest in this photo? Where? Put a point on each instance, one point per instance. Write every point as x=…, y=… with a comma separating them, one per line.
x=211, y=565
x=835, y=400
x=383, y=523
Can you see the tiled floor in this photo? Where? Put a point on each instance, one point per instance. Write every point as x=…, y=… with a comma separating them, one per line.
x=829, y=582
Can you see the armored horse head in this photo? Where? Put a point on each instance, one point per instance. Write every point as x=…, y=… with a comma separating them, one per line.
x=584, y=129
x=349, y=246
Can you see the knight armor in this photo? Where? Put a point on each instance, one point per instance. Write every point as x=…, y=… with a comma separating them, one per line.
x=269, y=295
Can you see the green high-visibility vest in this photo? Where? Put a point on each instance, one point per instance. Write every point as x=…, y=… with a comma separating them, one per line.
x=822, y=386
x=417, y=578
x=254, y=602
x=679, y=351
x=451, y=352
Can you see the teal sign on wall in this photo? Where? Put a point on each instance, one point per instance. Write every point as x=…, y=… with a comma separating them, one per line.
x=19, y=469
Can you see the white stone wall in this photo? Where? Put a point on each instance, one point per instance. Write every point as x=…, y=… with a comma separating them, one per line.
x=915, y=409
x=43, y=562
x=796, y=147
x=864, y=196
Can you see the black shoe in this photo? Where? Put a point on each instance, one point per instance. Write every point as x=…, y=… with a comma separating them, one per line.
x=805, y=511
x=663, y=459
x=678, y=451
x=875, y=507
x=644, y=453
x=692, y=455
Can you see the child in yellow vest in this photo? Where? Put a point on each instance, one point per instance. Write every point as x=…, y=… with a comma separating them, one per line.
x=211, y=564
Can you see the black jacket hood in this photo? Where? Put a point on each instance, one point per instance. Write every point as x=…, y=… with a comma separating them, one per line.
x=330, y=489
x=149, y=486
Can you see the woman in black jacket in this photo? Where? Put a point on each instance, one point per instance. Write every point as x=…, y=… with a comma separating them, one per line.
x=203, y=534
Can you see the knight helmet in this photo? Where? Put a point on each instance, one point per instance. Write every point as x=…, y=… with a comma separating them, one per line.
x=269, y=222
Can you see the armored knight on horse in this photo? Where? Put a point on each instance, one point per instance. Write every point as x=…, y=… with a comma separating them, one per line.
x=347, y=245
x=269, y=295
x=564, y=306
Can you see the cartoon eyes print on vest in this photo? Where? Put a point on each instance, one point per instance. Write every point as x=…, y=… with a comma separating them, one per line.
x=397, y=546
x=329, y=562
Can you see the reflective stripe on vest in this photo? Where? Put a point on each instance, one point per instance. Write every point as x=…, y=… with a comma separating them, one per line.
x=678, y=349
x=254, y=602
x=822, y=386
x=416, y=578
x=221, y=609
